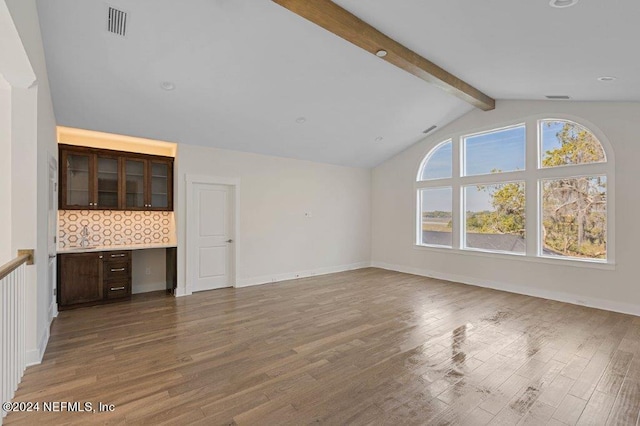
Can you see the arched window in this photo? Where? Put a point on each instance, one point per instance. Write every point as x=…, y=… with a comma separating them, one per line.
x=437, y=164
x=508, y=190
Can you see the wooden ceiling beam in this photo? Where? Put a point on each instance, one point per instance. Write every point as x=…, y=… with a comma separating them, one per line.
x=346, y=25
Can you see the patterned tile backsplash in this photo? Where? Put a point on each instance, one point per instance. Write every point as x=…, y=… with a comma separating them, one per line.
x=114, y=227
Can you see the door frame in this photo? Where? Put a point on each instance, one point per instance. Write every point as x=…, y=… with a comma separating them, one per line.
x=234, y=184
x=52, y=280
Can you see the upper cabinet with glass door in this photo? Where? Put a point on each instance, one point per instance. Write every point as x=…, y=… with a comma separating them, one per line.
x=107, y=182
x=135, y=184
x=76, y=180
x=114, y=180
x=160, y=185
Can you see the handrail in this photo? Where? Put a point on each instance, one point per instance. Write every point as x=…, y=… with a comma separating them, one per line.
x=24, y=256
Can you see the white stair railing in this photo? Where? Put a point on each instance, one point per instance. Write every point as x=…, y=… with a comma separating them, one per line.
x=12, y=324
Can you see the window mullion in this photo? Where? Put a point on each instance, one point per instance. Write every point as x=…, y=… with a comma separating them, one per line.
x=532, y=203
x=457, y=213
x=439, y=183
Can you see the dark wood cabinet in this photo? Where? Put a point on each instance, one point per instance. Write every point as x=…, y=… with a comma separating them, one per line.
x=79, y=278
x=135, y=184
x=114, y=180
x=148, y=184
x=117, y=274
x=76, y=179
x=107, y=182
x=86, y=279
x=160, y=184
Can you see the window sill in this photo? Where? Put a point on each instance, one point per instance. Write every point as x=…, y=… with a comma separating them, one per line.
x=577, y=263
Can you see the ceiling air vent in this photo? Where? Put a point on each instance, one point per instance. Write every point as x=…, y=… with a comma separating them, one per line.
x=556, y=97
x=430, y=129
x=117, y=21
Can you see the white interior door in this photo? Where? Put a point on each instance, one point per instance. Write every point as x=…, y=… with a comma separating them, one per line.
x=212, y=236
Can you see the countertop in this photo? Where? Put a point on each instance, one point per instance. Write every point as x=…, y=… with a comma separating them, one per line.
x=114, y=248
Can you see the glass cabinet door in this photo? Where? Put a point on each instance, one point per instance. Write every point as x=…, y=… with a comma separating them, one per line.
x=107, y=175
x=159, y=185
x=134, y=184
x=78, y=190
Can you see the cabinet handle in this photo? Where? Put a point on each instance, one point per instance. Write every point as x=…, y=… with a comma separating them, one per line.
x=118, y=255
x=117, y=288
x=117, y=270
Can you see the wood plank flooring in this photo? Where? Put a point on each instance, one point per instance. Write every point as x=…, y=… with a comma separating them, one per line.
x=360, y=347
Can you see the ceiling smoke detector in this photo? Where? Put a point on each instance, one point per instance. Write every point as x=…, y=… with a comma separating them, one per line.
x=607, y=78
x=561, y=4
x=167, y=85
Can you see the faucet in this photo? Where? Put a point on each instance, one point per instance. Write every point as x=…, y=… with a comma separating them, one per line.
x=84, y=234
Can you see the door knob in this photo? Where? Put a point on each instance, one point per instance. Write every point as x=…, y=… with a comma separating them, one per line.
x=229, y=241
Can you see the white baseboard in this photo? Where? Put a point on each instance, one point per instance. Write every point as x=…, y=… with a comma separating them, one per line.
x=575, y=299
x=34, y=356
x=181, y=292
x=267, y=279
x=53, y=310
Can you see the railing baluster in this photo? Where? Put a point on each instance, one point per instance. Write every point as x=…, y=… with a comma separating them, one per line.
x=3, y=344
x=12, y=326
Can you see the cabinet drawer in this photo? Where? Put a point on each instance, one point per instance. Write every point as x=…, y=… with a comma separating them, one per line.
x=117, y=271
x=117, y=256
x=116, y=290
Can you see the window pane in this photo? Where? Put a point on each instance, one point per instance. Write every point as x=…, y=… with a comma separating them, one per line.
x=564, y=143
x=494, y=152
x=436, y=206
x=439, y=163
x=495, y=217
x=574, y=217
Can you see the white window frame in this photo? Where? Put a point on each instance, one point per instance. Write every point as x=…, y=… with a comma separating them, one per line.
x=463, y=218
x=419, y=218
x=532, y=176
x=463, y=157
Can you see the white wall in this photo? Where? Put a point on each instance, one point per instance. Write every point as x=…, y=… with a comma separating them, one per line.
x=394, y=203
x=33, y=134
x=5, y=171
x=152, y=261
x=276, y=241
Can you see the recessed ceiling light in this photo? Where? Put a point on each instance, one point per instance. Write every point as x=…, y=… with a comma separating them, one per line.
x=557, y=97
x=607, y=78
x=561, y=4
x=301, y=120
x=167, y=85
x=379, y=139
x=381, y=53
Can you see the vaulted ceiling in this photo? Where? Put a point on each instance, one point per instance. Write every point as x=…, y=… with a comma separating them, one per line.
x=245, y=71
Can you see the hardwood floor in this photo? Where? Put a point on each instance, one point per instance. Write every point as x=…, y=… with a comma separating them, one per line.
x=361, y=347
